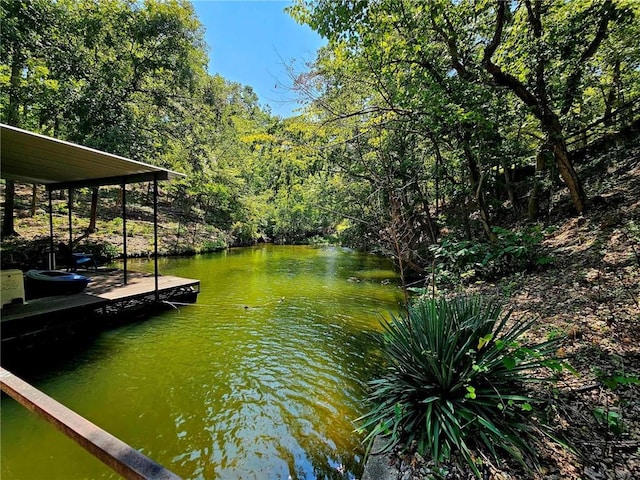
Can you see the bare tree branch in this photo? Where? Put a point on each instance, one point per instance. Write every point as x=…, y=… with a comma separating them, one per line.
x=573, y=81
x=452, y=47
x=503, y=78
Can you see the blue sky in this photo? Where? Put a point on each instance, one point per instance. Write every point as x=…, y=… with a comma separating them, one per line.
x=251, y=41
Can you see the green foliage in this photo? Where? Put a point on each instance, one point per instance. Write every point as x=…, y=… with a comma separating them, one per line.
x=454, y=381
x=612, y=382
x=434, y=103
x=513, y=251
x=634, y=230
x=104, y=251
x=404, y=123
x=60, y=209
x=611, y=419
x=213, y=245
x=243, y=233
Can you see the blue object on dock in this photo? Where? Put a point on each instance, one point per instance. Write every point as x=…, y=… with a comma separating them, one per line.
x=75, y=260
x=53, y=282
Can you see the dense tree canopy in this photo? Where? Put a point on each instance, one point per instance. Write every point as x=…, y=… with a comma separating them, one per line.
x=130, y=78
x=423, y=118
x=449, y=104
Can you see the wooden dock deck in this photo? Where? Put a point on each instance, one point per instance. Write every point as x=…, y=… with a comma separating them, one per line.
x=104, y=302
x=110, y=285
x=105, y=287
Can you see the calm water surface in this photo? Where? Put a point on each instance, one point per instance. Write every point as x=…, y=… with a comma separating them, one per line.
x=260, y=379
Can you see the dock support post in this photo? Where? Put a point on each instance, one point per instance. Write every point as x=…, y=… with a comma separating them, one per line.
x=69, y=207
x=155, y=233
x=124, y=230
x=52, y=255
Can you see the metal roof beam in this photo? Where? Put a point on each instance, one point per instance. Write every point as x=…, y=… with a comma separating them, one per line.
x=117, y=180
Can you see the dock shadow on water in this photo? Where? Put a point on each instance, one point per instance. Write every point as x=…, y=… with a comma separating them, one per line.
x=262, y=378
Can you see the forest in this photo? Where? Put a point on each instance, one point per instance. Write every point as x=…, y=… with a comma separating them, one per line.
x=423, y=122
x=467, y=140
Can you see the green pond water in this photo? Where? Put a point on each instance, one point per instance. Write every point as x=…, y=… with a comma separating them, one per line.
x=219, y=390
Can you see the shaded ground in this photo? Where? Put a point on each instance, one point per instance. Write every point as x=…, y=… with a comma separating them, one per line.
x=591, y=295
x=179, y=232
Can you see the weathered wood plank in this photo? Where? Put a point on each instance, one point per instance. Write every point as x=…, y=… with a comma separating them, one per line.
x=105, y=287
x=122, y=458
x=47, y=305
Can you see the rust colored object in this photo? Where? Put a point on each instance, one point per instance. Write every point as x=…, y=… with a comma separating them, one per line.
x=122, y=458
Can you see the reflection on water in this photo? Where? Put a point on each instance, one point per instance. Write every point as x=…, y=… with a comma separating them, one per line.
x=261, y=379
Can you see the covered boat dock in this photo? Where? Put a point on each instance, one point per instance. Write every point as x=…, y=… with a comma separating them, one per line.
x=106, y=302
x=111, y=294
x=59, y=165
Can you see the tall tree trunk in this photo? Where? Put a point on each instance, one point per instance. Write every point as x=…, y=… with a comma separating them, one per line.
x=438, y=153
x=118, y=203
x=476, y=186
x=13, y=115
x=484, y=213
x=612, y=98
x=551, y=125
x=432, y=229
x=508, y=184
x=465, y=218
x=94, y=210
x=537, y=100
x=34, y=199
x=533, y=209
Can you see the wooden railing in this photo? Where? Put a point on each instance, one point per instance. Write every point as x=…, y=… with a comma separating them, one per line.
x=122, y=458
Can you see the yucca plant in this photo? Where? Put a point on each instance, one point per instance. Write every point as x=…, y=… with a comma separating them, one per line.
x=455, y=381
